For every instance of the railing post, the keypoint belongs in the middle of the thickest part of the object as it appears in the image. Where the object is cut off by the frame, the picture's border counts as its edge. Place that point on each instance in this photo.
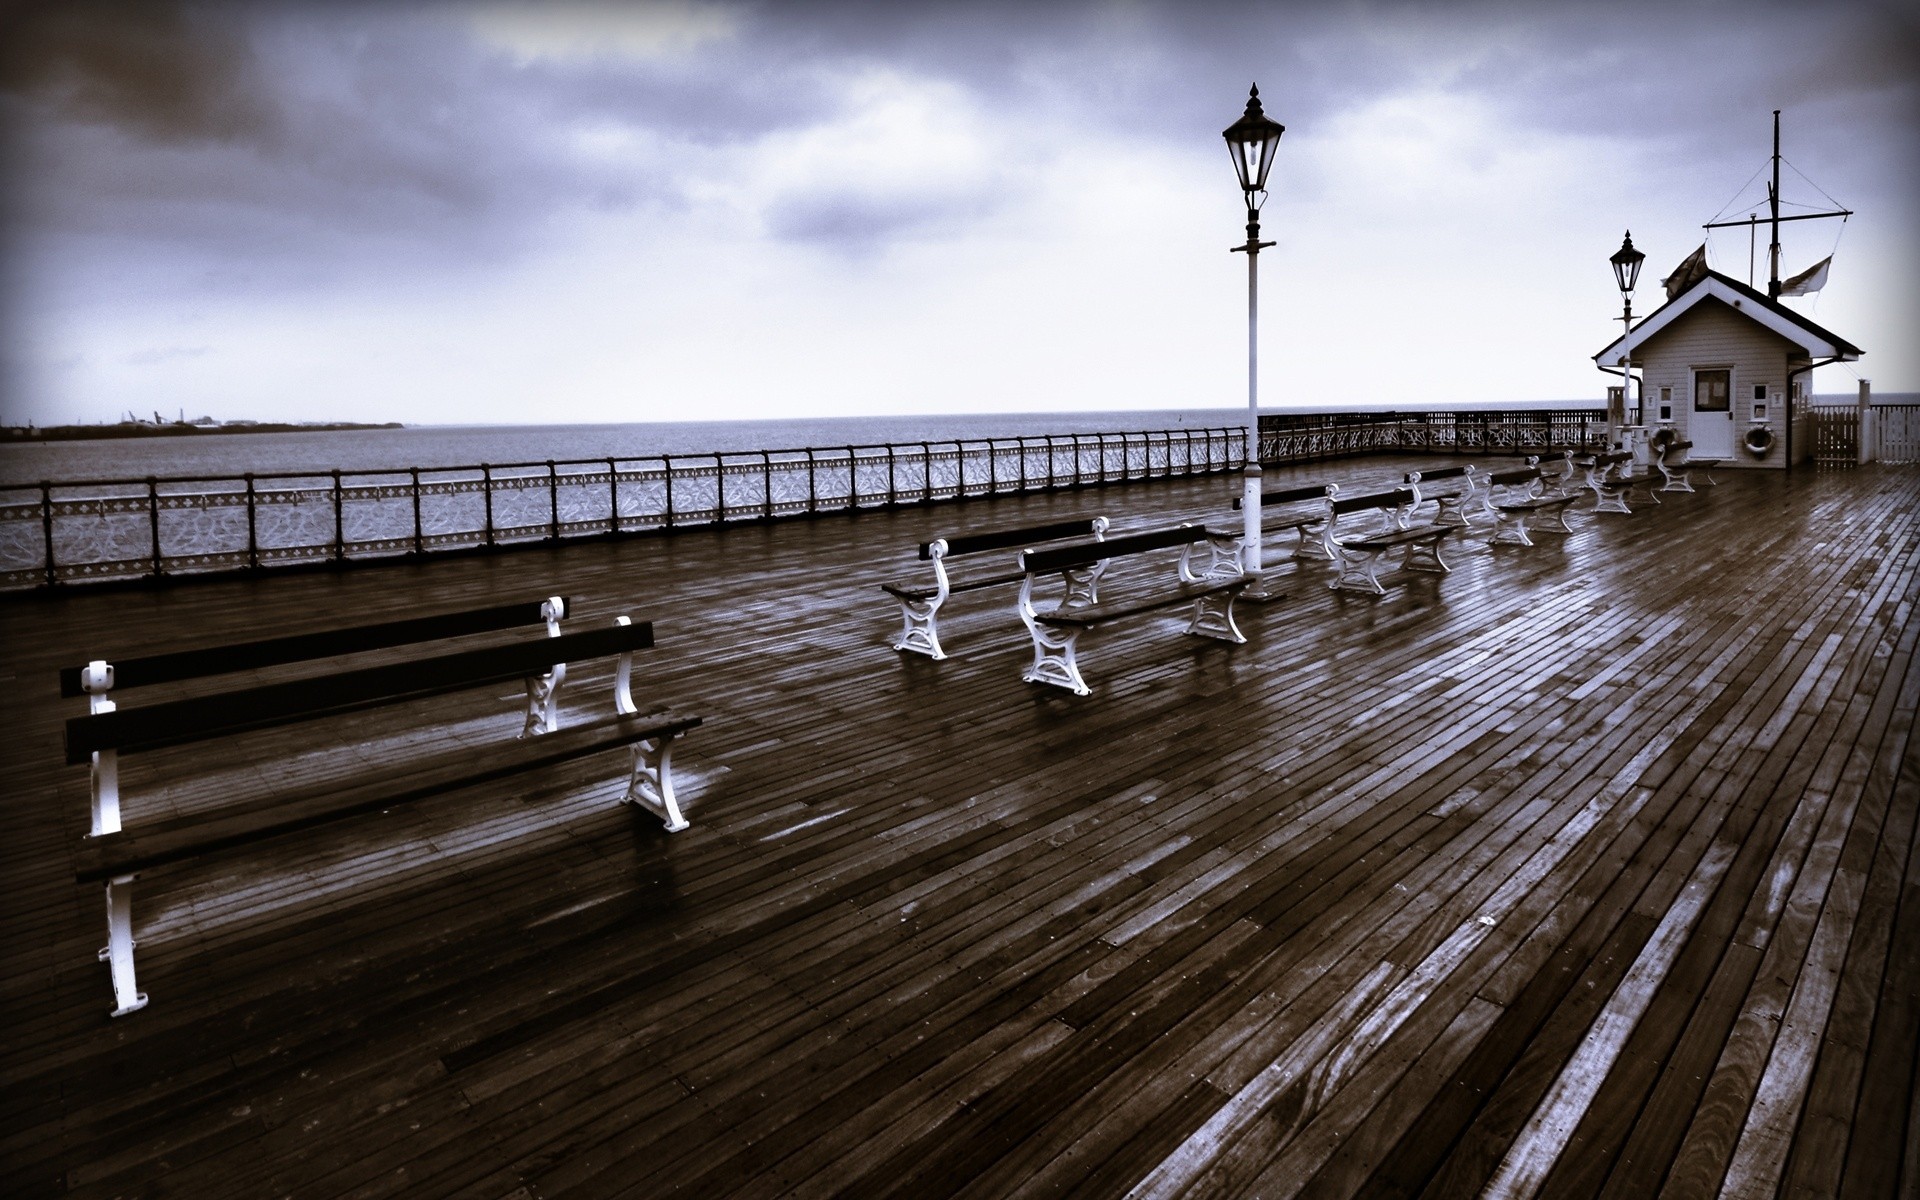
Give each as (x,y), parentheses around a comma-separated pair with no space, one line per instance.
(666,469)
(813,485)
(926,466)
(613,497)
(253,534)
(153,524)
(893,458)
(486,490)
(853,480)
(720,489)
(553,503)
(766,486)
(339,521)
(419,543)
(46,527)
(960,469)
(1021,442)
(993,471)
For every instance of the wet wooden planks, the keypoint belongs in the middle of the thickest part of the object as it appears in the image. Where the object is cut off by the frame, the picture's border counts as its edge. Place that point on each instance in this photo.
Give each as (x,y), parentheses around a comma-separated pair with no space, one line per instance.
(1585,870)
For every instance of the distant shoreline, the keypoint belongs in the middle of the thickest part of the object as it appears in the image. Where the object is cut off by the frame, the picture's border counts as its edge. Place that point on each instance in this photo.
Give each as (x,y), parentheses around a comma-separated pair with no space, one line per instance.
(90,433)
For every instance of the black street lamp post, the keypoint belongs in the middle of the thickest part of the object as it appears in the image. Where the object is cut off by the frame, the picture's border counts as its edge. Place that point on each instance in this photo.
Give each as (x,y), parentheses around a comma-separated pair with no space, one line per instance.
(1626,272)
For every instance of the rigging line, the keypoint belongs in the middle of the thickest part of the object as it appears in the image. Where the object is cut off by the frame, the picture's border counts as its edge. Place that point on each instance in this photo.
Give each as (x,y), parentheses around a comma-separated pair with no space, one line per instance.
(1741,191)
(1810,183)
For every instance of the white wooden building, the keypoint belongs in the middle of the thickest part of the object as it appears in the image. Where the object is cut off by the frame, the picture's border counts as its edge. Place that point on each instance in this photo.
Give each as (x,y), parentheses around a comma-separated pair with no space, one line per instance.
(1729,370)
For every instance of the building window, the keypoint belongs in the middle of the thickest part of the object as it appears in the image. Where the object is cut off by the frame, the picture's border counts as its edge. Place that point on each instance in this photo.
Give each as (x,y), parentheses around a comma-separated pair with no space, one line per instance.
(1759,391)
(1710,391)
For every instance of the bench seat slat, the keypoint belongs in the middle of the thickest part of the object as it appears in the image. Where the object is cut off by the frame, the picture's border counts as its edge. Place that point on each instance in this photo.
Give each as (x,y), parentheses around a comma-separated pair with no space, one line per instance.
(1397,537)
(924,591)
(303,647)
(1095,614)
(199,718)
(1042,562)
(1001,539)
(131,850)
(1317,491)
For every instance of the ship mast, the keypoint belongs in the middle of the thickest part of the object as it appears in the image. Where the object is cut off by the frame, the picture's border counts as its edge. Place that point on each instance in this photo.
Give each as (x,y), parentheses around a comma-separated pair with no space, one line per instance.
(1773,208)
(1774,218)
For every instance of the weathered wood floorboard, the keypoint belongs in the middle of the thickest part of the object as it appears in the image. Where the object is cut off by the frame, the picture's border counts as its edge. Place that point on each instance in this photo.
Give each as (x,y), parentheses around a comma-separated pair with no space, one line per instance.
(1588,869)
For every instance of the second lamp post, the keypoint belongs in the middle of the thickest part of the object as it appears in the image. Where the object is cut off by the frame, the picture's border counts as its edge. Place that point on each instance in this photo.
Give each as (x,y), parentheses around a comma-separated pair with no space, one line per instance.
(1626,273)
(1252,140)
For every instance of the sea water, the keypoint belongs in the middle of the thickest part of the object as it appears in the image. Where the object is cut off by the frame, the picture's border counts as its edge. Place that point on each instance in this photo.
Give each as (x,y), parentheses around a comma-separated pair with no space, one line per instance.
(228,455)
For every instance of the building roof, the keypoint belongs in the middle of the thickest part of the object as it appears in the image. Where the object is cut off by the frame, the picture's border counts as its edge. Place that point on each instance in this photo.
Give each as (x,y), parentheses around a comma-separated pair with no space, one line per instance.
(1773,315)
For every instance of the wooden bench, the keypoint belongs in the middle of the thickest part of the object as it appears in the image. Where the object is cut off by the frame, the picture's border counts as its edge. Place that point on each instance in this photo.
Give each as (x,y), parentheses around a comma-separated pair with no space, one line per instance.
(1454,491)
(1305,513)
(116,856)
(1608,478)
(1209,590)
(101,679)
(1360,552)
(1521,497)
(920,602)
(1558,473)
(1676,463)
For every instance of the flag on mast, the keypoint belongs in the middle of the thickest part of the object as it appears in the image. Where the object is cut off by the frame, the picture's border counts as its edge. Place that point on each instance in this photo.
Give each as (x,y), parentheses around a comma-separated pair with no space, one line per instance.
(1691,271)
(1809,281)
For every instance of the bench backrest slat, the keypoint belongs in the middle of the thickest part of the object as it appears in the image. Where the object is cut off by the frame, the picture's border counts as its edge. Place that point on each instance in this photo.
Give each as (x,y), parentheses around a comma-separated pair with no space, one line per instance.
(1517,475)
(1312,491)
(1000,539)
(198,718)
(1442,473)
(1393,499)
(304,647)
(1040,562)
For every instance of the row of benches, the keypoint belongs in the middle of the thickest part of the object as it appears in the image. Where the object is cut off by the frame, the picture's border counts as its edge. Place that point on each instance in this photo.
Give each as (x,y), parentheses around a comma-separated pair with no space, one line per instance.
(421,662)
(1355,532)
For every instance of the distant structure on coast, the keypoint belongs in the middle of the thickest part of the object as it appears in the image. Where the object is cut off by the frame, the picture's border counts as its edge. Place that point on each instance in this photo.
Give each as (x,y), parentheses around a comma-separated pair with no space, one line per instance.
(1726,367)
(133,427)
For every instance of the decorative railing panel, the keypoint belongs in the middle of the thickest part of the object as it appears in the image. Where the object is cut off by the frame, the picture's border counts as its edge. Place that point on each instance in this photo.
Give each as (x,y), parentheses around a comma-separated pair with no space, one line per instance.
(128,528)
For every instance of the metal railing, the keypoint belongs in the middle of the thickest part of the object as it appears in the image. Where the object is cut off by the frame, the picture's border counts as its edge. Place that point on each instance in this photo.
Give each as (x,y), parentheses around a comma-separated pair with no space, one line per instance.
(53,533)
(156,526)
(1303,437)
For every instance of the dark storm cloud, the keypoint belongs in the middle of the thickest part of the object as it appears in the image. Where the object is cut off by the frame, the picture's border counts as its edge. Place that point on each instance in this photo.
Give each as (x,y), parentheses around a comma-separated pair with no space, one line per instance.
(333,132)
(159,71)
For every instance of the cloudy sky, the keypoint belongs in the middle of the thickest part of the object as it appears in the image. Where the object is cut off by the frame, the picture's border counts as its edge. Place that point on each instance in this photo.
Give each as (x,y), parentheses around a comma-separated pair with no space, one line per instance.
(500,212)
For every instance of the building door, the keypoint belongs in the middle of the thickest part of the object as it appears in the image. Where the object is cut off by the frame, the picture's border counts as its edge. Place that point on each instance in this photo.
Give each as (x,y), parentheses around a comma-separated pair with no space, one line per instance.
(1710,425)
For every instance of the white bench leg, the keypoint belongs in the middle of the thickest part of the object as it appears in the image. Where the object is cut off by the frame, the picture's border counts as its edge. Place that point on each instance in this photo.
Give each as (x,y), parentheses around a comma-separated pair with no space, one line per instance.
(1083,586)
(1054,660)
(919,633)
(650,786)
(1510,529)
(1552,519)
(118,952)
(1313,542)
(1425,556)
(543,701)
(1612,502)
(1359,572)
(1213,617)
(106,792)
(1679,480)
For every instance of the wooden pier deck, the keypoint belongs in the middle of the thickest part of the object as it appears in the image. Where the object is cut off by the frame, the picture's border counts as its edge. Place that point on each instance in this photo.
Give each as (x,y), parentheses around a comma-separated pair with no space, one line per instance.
(1586,870)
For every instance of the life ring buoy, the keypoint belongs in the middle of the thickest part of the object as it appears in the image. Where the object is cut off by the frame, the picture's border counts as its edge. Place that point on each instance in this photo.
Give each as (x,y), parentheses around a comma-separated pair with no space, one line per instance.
(1758,441)
(1664,437)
